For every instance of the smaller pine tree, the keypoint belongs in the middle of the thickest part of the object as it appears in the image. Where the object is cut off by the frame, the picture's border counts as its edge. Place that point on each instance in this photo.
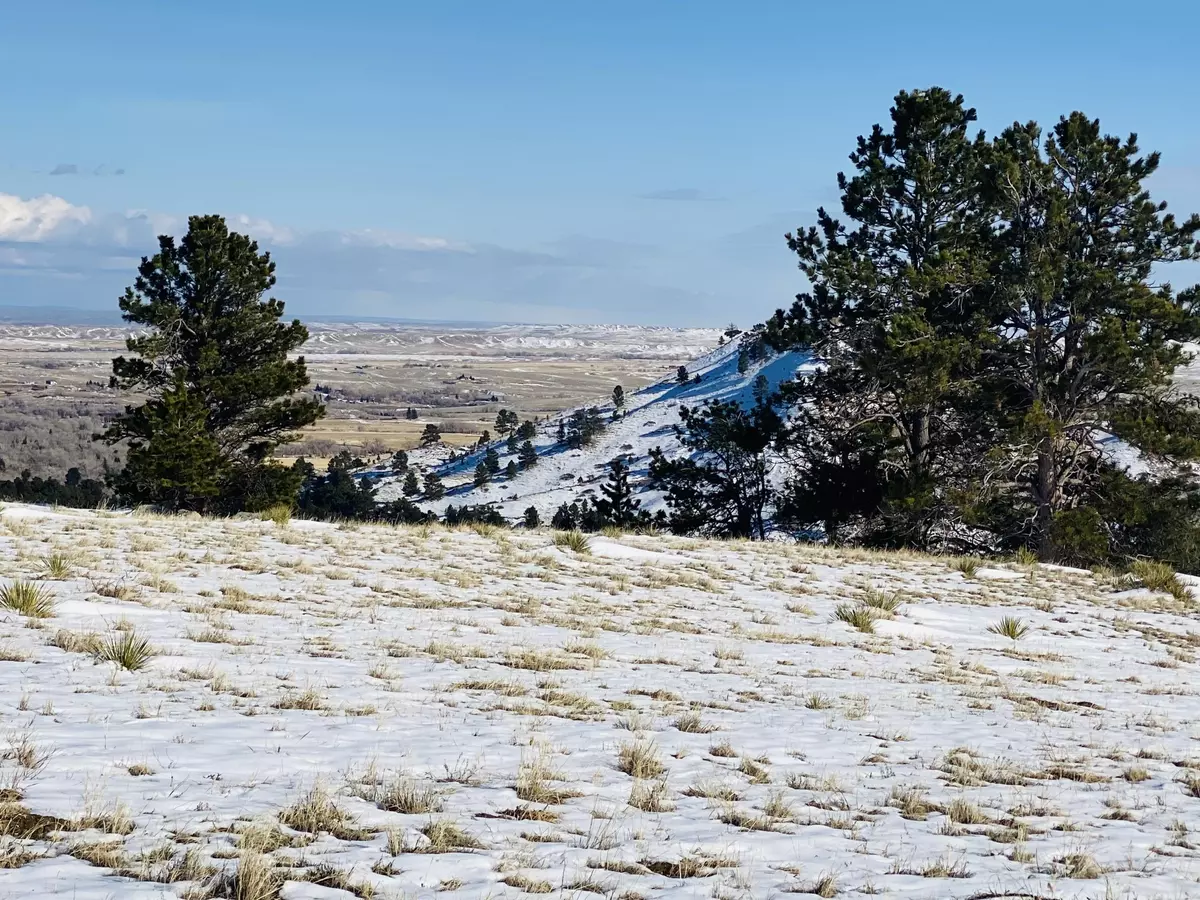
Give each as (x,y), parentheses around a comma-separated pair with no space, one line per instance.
(618,396)
(510,471)
(762,389)
(411,488)
(512,444)
(482,474)
(681,375)
(491,460)
(434,489)
(431,435)
(527,455)
(527,431)
(532,519)
(399,462)
(618,506)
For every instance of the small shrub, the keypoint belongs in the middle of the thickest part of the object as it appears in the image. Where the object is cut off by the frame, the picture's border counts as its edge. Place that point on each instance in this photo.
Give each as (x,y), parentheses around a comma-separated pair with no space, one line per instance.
(1010,627)
(967,565)
(57,567)
(1026,557)
(575,541)
(127,649)
(280,514)
(28,598)
(1161,578)
(859,616)
(886,604)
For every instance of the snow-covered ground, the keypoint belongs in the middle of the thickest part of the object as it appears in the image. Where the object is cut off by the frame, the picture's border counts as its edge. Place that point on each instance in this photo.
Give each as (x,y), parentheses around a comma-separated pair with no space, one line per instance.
(562,475)
(411,711)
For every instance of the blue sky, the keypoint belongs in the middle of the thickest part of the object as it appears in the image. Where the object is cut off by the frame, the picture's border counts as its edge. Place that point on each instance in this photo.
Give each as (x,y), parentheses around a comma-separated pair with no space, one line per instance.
(528,161)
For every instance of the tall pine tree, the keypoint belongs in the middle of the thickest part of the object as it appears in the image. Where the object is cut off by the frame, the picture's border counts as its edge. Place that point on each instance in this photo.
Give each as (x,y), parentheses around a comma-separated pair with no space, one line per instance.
(1085,343)
(213,352)
(893,311)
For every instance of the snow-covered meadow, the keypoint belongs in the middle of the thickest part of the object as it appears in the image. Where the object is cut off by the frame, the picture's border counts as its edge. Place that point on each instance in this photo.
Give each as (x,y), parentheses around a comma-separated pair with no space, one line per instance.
(333,711)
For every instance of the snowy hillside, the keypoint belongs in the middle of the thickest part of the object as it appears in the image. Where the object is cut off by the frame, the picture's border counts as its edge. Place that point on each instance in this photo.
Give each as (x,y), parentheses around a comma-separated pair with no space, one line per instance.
(323,712)
(563,475)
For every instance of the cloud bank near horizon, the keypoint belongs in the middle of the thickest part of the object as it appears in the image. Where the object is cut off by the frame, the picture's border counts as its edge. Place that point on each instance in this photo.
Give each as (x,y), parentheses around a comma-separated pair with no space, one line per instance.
(56,253)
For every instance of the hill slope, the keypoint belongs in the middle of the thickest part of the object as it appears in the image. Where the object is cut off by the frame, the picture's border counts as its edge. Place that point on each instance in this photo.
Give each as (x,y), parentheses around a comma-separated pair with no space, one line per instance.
(563,475)
(414,710)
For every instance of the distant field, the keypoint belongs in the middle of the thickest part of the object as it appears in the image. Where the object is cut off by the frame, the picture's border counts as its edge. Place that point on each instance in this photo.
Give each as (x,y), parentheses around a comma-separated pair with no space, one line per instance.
(54,390)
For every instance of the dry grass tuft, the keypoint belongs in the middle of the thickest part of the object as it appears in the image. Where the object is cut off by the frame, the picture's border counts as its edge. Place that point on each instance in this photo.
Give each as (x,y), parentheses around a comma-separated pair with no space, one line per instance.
(640,759)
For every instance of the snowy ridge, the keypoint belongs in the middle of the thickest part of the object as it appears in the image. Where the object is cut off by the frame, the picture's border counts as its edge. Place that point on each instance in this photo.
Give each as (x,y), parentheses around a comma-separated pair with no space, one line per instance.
(563,475)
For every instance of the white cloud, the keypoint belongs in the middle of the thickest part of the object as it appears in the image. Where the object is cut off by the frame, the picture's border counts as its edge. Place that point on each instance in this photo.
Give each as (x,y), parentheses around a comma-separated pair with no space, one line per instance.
(40,218)
(53,252)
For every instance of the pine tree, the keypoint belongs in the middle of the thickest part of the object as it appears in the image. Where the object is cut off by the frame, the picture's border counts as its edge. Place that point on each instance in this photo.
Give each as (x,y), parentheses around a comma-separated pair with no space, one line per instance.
(510,471)
(618,397)
(431,435)
(434,489)
(482,474)
(618,506)
(511,444)
(527,455)
(338,494)
(399,462)
(411,488)
(491,461)
(564,519)
(895,313)
(531,519)
(506,422)
(562,431)
(681,375)
(527,431)
(721,487)
(761,389)
(173,459)
(210,341)
(1083,341)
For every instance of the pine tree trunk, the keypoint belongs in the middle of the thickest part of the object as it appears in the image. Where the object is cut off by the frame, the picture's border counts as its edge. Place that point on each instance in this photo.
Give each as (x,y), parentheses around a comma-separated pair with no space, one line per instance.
(1044,492)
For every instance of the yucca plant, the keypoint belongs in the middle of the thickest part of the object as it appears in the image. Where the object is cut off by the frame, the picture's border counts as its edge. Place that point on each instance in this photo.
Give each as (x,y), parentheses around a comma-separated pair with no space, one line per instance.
(856,614)
(1010,627)
(575,541)
(968,565)
(1026,557)
(885,603)
(57,567)
(28,598)
(127,649)
(1156,576)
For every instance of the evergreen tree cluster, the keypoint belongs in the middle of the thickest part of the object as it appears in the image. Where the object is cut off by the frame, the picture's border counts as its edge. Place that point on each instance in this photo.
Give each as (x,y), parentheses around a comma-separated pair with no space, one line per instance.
(73,490)
(581,428)
(983,314)
(616,507)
